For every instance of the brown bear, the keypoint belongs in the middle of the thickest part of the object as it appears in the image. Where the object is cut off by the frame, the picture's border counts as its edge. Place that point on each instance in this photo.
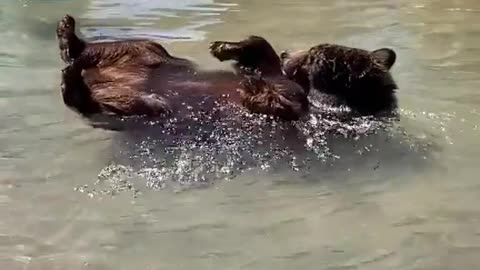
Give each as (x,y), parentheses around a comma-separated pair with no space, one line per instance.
(358,78)
(139,77)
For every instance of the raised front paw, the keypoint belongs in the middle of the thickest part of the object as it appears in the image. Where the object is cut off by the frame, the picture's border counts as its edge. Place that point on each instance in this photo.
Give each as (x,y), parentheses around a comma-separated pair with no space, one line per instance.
(223,50)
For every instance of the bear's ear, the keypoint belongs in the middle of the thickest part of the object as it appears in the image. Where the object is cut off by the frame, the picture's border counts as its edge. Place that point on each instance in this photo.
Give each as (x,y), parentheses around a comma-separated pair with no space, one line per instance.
(385,56)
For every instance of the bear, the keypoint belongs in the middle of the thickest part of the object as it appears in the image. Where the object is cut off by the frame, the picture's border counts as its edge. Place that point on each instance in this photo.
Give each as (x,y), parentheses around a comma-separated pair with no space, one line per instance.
(140,78)
(358,78)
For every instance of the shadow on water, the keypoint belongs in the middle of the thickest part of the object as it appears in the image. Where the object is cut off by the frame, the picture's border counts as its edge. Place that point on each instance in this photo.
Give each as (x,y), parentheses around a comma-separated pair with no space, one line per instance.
(198,150)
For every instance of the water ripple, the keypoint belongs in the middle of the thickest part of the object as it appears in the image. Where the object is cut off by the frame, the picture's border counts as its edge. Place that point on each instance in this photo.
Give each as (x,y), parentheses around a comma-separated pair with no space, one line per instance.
(145,14)
(199,151)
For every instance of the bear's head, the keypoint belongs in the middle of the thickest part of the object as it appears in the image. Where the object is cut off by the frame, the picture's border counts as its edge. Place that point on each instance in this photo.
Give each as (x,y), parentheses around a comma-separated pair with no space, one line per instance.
(357,77)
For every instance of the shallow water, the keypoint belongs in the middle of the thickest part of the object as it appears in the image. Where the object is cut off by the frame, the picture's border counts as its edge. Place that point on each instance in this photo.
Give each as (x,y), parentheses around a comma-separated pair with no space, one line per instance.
(404,197)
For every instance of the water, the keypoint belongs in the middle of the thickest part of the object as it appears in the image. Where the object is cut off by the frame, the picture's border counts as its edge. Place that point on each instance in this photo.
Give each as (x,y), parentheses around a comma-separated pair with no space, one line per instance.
(404,197)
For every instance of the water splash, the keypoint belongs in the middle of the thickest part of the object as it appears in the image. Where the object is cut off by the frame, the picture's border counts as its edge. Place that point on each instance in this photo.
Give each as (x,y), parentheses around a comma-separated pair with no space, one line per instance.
(202,148)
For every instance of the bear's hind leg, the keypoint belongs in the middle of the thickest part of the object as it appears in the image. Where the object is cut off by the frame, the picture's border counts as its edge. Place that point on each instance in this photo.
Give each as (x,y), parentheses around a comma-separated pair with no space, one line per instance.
(70,45)
(75,92)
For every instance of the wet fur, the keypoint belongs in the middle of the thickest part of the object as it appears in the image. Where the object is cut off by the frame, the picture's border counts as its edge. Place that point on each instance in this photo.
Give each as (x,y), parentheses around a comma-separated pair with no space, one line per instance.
(253,54)
(359,78)
(265,89)
(139,77)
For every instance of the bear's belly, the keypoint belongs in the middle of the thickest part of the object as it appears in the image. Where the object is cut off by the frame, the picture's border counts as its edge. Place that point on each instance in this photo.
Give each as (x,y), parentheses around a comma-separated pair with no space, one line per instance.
(197,89)
(130,90)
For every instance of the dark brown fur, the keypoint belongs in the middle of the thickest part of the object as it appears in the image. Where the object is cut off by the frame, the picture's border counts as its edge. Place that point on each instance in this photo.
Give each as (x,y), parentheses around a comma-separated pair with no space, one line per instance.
(265,86)
(359,78)
(139,77)
(251,54)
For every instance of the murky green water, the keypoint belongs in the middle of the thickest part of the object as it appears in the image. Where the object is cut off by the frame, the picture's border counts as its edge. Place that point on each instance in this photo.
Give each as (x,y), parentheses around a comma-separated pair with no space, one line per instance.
(409,202)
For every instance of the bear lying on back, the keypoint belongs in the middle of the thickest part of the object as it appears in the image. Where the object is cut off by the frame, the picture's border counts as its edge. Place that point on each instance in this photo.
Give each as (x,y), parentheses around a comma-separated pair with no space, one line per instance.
(139,77)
